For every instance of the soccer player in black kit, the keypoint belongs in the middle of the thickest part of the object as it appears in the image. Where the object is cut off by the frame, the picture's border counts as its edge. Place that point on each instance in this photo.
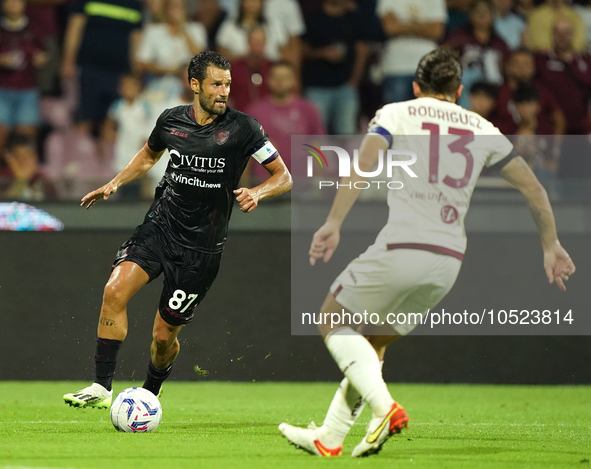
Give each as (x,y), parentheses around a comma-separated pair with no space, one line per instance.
(184,231)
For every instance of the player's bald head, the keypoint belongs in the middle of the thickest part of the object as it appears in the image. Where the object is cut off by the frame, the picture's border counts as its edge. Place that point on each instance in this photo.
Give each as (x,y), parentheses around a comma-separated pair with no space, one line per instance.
(199,64)
(439,72)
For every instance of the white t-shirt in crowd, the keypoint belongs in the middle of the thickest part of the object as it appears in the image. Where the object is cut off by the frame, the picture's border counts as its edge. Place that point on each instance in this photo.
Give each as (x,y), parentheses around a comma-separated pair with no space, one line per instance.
(235,38)
(285,12)
(402,53)
(159,46)
(134,124)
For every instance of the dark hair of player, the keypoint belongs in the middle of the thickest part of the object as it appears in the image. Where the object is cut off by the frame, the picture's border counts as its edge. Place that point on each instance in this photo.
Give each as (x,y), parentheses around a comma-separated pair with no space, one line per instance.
(525,93)
(199,63)
(481,87)
(439,72)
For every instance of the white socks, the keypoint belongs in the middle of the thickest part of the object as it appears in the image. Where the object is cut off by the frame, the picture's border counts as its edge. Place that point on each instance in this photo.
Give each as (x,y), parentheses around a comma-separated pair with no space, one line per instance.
(359,363)
(344,409)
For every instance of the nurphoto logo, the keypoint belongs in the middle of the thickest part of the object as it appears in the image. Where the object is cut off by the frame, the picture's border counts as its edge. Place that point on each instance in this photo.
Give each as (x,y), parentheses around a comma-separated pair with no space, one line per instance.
(386,159)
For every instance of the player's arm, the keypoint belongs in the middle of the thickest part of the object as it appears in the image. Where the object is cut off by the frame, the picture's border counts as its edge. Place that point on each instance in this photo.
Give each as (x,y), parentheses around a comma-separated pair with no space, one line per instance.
(557,262)
(139,164)
(428,29)
(72,41)
(278,183)
(326,239)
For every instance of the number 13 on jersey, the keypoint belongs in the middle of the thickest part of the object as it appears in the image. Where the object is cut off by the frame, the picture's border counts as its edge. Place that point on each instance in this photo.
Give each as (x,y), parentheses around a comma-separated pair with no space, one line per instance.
(458,146)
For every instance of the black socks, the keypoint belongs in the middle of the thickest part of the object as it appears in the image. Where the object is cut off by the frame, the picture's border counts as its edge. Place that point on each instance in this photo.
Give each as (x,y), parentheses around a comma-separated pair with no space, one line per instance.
(155,378)
(105,360)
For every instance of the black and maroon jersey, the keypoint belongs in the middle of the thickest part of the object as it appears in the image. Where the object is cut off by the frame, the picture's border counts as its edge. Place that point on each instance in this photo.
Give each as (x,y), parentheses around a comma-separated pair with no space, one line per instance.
(194,200)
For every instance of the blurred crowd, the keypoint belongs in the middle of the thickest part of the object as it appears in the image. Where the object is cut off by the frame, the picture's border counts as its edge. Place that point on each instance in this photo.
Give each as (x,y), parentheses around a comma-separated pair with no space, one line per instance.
(82,82)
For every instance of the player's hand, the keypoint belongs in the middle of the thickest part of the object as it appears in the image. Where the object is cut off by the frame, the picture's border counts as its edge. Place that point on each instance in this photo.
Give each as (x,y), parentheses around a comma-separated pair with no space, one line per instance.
(324,243)
(558,265)
(247,199)
(101,193)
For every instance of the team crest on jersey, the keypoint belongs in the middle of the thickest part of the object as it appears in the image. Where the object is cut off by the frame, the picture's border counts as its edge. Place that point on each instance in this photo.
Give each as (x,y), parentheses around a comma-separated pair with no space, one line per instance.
(221,136)
(449,214)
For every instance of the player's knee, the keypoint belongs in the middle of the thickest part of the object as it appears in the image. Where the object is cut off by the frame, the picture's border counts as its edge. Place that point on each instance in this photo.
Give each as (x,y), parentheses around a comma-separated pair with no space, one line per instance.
(113,297)
(164,341)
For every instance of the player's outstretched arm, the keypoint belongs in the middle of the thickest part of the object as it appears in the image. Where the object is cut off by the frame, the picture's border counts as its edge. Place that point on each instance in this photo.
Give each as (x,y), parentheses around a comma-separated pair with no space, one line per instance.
(139,164)
(557,262)
(326,239)
(279,182)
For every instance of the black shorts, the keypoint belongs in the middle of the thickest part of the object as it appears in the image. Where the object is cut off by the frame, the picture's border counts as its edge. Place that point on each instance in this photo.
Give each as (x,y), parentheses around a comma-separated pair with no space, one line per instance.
(188,274)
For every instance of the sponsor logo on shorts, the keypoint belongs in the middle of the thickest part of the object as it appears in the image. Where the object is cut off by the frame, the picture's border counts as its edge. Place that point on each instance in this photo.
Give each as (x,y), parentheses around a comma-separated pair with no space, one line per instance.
(194,181)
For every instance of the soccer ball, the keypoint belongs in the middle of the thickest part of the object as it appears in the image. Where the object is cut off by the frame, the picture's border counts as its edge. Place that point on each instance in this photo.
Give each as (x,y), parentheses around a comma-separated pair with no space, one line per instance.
(136,410)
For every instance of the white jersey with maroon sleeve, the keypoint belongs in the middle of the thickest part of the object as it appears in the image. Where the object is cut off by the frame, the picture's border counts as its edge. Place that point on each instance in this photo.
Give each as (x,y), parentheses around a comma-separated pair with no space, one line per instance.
(452,146)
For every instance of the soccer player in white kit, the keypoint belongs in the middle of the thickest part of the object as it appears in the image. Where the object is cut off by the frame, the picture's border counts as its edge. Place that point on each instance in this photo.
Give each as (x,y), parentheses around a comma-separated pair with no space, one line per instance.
(417,256)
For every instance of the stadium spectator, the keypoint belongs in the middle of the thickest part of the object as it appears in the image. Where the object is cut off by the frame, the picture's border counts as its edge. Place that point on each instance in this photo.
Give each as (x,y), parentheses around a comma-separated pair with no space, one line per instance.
(166,48)
(154,11)
(541,151)
(541,23)
(521,69)
(44,19)
(483,98)
(457,15)
(288,16)
(284,114)
(482,50)
(211,15)
(232,37)
(100,39)
(509,25)
(413,29)
(567,73)
(250,73)
(524,8)
(127,125)
(335,54)
(584,11)
(28,181)
(21,54)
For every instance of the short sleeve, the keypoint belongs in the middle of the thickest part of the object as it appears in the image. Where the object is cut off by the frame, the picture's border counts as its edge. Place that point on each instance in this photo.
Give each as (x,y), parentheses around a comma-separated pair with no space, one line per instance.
(257,142)
(500,148)
(155,141)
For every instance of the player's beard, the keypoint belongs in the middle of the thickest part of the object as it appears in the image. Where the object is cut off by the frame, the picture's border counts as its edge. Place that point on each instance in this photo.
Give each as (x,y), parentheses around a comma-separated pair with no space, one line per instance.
(208,105)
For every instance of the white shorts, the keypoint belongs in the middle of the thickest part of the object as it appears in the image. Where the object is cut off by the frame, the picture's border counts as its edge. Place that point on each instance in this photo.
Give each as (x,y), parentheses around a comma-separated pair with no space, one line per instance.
(407,281)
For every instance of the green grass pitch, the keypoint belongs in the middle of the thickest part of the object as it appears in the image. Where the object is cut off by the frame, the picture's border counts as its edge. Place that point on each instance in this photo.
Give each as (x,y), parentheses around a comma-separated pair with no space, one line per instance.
(234,425)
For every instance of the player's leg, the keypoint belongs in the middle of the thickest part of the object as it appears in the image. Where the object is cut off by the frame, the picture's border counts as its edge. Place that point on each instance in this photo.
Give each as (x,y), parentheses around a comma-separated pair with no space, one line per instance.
(163,352)
(188,277)
(125,281)
(347,403)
